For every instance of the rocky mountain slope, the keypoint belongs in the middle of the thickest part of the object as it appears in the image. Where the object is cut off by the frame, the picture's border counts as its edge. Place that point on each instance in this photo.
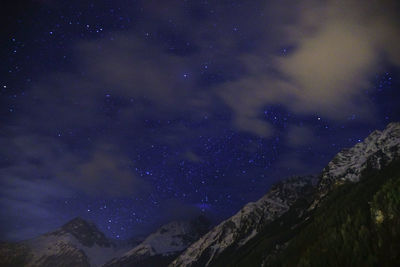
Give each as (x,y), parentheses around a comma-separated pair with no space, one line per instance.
(77,243)
(247,223)
(268,225)
(356,224)
(376,151)
(162,246)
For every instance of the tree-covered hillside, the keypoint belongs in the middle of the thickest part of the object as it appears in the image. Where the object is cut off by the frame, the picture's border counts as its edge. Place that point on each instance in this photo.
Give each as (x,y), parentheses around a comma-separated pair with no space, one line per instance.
(357,224)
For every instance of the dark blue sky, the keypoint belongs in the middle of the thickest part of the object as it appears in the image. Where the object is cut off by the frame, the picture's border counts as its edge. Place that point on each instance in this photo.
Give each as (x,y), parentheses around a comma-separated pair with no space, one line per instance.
(135,113)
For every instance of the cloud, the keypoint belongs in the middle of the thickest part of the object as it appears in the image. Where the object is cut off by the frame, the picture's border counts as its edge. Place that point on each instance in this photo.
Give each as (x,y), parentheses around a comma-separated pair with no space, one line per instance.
(173,209)
(329,69)
(123,79)
(299,136)
(192,156)
(42,171)
(28,198)
(333,62)
(294,163)
(133,67)
(334,48)
(106,173)
(103,170)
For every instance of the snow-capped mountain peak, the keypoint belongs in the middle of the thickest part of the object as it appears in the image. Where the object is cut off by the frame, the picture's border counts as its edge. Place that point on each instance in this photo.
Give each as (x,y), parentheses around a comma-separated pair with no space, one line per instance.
(76,243)
(378,149)
(168,240)
(85,232)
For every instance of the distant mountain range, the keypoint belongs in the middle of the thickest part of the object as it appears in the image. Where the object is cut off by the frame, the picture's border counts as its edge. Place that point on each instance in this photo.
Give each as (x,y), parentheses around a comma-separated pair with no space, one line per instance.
(79,243)
(161,247)
(348,215)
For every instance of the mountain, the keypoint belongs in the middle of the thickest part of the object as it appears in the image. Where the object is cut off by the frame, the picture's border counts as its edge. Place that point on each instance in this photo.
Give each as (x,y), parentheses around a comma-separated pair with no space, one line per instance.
(162,246)
(347,216)
(376,151)
(77,243)
(245,224)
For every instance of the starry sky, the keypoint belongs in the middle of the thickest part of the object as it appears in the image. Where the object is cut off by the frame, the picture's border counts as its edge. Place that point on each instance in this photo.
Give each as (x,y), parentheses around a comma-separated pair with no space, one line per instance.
(133,113)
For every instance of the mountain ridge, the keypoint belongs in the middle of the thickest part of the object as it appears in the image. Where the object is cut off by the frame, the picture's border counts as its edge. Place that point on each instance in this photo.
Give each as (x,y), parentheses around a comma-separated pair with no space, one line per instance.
(80,243)
(162,246)
(376,151)
(244,225)
(260,232)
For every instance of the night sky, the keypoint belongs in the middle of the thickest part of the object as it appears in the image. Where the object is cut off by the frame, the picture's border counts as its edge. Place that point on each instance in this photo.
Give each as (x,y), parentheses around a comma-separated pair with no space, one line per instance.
(135,113)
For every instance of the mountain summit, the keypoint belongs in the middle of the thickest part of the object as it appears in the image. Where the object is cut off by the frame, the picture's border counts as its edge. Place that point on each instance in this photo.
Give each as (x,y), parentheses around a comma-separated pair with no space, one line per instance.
(85,232)
(165,244)
(376,151)
(77,243)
